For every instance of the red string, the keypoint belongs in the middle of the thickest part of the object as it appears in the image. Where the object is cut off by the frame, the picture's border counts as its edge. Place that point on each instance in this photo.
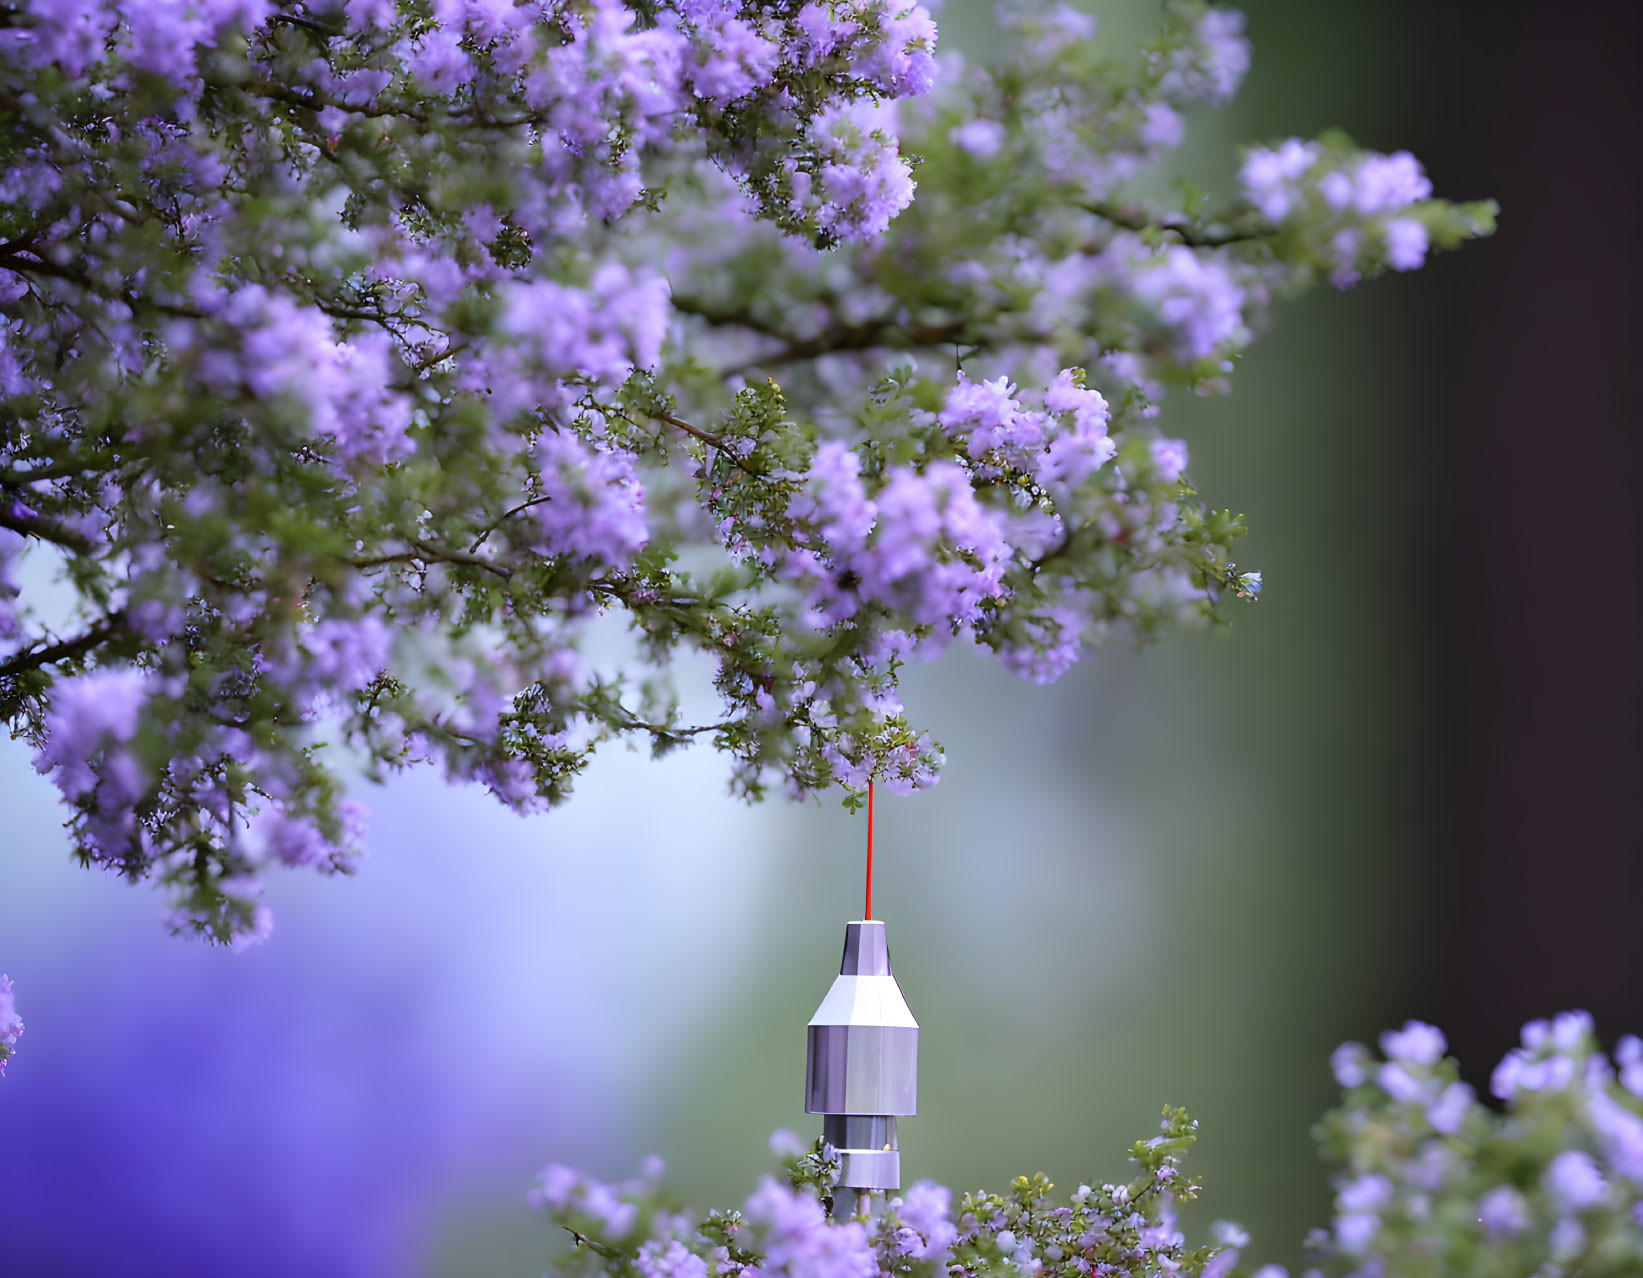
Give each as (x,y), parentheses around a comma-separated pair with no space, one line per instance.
(868,913)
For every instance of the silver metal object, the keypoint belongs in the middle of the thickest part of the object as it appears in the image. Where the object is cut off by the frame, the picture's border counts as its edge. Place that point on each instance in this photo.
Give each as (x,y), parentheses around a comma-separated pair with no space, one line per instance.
(861,1067)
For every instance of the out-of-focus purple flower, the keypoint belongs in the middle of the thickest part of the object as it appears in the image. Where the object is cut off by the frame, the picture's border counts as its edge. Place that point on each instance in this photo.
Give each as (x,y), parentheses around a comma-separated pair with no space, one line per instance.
(1417,1043)
(1169,457)
(669,1260)
(925,1213)
(1628,1055)
(793,1232)
(595,504)
(1212,63)
(1406,242)
(1445,1114)
(1575,1181)
(1349,1063)
(1503,1212)
(11,1024)
(981,137)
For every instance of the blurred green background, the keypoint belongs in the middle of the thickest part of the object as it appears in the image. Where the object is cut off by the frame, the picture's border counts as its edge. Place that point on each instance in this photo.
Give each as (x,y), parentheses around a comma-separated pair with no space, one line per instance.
(1404,784)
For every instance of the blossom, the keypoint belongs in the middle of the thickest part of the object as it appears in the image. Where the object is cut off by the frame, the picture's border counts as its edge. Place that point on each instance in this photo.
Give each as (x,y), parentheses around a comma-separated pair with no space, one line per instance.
(861,180)
(1212,63)
(1271,177)
(1503,1211)
(91,714)
(591,501)
(1574,1180)
(798,1240)
(11,1024)
(925,1212)
(1415,1044)
(501,317)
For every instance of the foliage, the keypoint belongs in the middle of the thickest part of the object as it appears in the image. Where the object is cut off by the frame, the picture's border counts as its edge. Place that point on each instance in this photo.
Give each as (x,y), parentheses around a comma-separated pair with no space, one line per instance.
(423,382)
(1428,1181)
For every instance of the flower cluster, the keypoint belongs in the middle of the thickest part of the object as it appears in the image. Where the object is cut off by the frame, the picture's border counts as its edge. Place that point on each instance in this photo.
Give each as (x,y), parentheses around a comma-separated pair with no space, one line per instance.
(807,1228)
(11,1024)
(1352,213)
(1428,1180)
(360,354)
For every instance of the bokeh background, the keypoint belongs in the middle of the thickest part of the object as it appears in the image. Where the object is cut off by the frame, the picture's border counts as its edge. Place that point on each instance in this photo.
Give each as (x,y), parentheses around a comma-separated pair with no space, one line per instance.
(1407,784)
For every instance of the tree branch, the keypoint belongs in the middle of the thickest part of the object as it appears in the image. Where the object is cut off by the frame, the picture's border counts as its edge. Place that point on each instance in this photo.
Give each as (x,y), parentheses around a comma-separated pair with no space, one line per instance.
(1136,219)
(45,530)
(502,519)
(885,332)
(63,650)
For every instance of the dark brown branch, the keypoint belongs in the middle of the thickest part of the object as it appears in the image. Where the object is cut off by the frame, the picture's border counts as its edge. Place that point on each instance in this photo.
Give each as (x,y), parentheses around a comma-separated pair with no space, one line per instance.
(44,530)
(502,519)
(426,550)
(1136,219)
(883,333)
(63,650)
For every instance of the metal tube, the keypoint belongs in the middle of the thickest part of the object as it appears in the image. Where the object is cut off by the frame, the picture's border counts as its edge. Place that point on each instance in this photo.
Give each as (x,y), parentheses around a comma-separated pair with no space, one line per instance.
(861,1067)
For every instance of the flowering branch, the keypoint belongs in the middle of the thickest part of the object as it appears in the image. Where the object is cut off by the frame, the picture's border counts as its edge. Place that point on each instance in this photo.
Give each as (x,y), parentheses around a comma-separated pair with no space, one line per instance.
(279,341)
(1427,1180)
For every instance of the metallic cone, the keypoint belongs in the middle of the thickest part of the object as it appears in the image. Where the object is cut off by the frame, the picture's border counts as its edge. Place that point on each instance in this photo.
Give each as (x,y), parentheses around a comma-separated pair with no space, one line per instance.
(861,1069)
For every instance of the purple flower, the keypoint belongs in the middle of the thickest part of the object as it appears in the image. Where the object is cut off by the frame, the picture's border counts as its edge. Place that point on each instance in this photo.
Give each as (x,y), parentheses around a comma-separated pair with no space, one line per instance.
(1042,648)
(90,714)
(1271,178)
(903,62)
(1191,294)
(1349,1064)
(1503,1211)
(11,1024)
(1417,1043)
(732,59)
(981,137)
(1367,1193)
(1574,1181)
(1628,1054)
(861,181)
(1406,243)
(595,504)
(1169,458)
(1385,182)
(1445,1114)
(796,1238)
(925,1213)
(669,1260)
(1400,1084)
(1212,63)
(987,416)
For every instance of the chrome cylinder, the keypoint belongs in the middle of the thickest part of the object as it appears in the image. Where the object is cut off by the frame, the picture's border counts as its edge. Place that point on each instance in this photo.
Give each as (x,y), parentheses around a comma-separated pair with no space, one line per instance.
(861,1067)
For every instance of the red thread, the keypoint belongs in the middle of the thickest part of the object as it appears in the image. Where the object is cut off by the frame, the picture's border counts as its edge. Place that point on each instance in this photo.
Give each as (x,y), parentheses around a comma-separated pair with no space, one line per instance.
(868,913)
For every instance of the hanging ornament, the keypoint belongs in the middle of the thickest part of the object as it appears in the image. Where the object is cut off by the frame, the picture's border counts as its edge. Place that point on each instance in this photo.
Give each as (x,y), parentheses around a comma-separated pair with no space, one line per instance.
(861,1064)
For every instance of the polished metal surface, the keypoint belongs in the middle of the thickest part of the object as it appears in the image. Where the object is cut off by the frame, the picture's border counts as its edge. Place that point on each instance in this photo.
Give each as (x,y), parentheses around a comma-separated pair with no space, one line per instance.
(859,1131)
(862,1055)
(861,1065)
(866,1145)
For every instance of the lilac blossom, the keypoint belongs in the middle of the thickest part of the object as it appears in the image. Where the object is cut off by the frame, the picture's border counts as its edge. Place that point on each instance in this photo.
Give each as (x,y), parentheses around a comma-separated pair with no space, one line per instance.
(1574,1180)
(1213,63)
(11,1024)
(1416,1044)
(501,317)
(861,180)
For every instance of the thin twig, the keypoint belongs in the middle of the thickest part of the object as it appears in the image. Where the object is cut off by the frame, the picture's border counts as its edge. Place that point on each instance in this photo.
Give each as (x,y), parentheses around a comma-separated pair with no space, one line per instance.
(503,518)
(1134,219)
